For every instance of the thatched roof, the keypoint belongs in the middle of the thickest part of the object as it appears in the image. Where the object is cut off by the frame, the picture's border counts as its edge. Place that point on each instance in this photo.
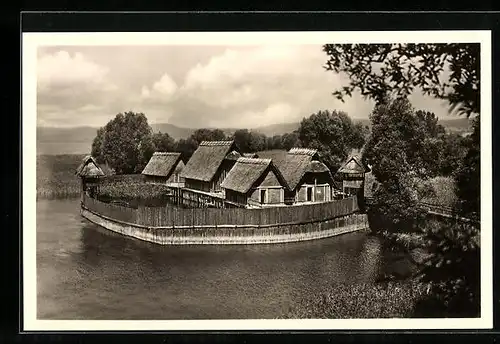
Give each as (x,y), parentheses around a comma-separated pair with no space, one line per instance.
(250,155)
(233,155)
(316,166)
(276,155)
(304,151)
(162,164)
(247,171)
(353,165)
(207,159)
(89,168)
(295,163)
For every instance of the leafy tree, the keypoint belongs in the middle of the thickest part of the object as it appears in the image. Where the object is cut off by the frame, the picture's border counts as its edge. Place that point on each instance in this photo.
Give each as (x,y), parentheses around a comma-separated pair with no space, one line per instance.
(96,146)
(468,176)
(449,72)
(146,149)
(290,140)
(208,135)
(275,142)
(377,70)
(445,71)
(400,172)
(452,153)
(242,138)
(121,142)
(186,147)
(359,136)
(332,133)
(163,142)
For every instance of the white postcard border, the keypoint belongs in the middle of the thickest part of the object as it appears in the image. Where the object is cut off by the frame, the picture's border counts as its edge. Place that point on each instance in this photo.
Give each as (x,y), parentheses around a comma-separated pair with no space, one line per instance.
(30,43)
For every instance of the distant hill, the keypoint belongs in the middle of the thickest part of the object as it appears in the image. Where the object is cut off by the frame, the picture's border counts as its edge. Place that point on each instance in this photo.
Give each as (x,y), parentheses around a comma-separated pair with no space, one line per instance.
(78,140)
(173,130)
(277,129)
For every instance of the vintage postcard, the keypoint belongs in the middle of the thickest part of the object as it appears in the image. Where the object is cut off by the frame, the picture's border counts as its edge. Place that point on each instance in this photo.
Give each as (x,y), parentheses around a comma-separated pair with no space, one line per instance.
(257,180)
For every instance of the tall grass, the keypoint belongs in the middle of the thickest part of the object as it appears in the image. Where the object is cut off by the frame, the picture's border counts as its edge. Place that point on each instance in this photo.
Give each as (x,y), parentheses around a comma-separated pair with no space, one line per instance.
(55,176)
(361,301)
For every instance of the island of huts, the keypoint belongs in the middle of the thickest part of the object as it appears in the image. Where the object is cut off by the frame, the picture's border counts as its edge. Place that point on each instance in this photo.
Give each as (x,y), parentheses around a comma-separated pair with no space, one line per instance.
(224,196)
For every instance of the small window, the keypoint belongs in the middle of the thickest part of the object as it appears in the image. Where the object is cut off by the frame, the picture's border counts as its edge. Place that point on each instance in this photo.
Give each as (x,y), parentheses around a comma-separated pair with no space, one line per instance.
(309,194)
(262,196)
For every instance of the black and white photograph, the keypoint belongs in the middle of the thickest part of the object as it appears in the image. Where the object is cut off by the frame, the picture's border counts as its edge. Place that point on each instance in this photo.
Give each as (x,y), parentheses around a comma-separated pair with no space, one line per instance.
(244,180)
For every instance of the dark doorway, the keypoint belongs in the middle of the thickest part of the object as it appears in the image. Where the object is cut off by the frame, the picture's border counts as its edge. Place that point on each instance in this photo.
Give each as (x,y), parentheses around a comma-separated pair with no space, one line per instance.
(262,196)
(309,194)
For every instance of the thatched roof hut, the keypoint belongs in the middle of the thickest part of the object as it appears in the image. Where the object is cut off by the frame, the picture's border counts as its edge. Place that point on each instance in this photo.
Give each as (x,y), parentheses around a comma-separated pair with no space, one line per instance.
(353,166)
(207,159)
(247,172)
(295,163)
(89,168)
(163,164)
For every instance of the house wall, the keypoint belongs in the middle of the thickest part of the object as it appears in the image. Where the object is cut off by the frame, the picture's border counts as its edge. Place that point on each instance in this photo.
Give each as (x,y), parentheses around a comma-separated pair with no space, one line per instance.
(270,180)
(221,175)
(197,185)
(274,191)
(236,197)
(155,179)
(175,178)
(354,187)
(316,178)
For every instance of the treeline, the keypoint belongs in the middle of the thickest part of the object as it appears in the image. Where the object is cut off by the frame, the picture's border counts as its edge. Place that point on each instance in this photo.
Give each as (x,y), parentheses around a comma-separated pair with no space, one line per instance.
(127,142)
(247,140)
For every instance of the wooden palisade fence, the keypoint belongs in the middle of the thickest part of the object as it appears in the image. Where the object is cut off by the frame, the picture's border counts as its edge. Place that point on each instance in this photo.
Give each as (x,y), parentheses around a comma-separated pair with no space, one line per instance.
(173,217)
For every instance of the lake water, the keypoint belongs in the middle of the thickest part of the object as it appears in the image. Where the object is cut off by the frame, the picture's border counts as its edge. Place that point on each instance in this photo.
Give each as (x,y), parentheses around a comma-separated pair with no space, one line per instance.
(87,272)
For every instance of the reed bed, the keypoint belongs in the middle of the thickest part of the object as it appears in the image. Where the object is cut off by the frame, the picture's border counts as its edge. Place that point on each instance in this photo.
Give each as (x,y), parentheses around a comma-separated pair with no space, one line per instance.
(55,176)
(398,299)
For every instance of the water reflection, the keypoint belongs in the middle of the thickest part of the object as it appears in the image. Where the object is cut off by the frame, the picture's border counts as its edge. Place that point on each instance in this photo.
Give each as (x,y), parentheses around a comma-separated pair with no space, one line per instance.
(109,276)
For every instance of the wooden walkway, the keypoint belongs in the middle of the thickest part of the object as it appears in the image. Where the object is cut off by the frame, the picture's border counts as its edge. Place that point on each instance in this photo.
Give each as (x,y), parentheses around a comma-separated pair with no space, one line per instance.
(435,210)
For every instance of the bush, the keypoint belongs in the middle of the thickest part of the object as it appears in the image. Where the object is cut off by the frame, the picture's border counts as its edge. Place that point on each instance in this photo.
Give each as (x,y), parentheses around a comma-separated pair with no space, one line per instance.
(126,190)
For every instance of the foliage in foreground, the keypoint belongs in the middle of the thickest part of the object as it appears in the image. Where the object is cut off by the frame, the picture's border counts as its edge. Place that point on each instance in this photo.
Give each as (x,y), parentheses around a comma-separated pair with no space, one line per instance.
(451,267)
(383,300)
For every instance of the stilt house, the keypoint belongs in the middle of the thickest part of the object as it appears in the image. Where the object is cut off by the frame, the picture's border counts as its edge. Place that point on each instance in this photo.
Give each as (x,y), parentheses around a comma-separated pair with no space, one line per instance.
(209,165)
(308,179)
(90,174)
(254,182)
(352,173)
(164,168)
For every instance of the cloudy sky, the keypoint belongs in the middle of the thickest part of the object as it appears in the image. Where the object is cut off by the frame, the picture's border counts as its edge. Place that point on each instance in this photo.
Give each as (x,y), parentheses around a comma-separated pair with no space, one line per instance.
(192,86)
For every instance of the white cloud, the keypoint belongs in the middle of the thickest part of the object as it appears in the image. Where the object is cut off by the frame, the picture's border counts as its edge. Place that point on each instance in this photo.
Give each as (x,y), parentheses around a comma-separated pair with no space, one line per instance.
(165,86)
(62,69)
(244,86)
(73,89)
(275,113)
(255,85)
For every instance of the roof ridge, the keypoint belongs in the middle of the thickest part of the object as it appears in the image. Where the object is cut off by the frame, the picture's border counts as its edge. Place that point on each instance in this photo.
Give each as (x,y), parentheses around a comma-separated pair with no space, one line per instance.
(166,153)
(260,161)
(216,143)
(302,151)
